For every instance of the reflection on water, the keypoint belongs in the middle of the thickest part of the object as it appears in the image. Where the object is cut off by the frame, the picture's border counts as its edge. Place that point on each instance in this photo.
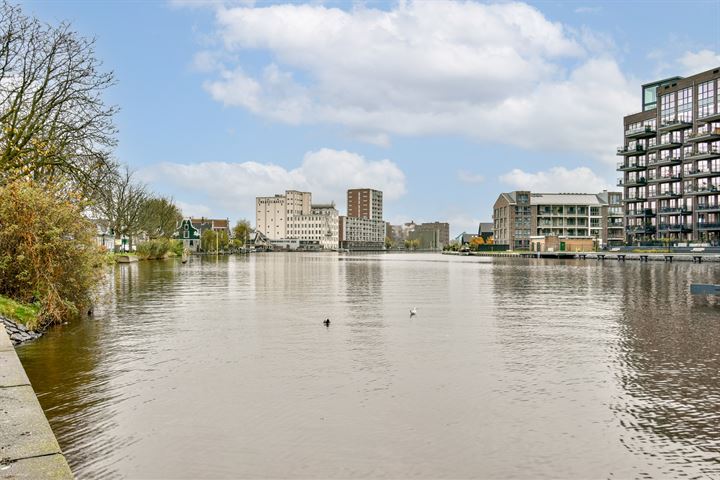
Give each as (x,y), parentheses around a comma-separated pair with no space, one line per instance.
(512,368)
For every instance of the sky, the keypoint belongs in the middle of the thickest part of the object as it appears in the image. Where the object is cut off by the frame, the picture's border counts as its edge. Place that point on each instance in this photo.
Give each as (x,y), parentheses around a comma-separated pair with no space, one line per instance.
(443,105)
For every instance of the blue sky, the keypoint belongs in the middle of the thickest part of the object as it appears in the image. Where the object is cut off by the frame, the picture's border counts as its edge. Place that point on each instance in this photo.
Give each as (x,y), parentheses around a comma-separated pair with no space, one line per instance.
(443,105)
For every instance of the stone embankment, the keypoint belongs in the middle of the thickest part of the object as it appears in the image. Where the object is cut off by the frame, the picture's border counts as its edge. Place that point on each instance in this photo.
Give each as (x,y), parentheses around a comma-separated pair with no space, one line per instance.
(28,448)
(18,332)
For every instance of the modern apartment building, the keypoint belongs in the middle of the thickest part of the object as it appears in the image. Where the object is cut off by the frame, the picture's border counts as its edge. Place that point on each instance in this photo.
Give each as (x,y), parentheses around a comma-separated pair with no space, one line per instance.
(363,228)
(520,215)
(292,216)
(671,161)
(365,203)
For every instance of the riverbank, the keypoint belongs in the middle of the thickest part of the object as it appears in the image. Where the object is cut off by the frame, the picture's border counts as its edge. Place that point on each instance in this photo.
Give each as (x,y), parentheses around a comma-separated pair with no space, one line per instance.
(695,257)
(28,448)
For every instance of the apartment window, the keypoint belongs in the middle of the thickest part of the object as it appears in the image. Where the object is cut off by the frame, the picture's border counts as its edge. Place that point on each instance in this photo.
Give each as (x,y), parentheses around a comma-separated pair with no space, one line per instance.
(667,108)
(685,105)
(706,99)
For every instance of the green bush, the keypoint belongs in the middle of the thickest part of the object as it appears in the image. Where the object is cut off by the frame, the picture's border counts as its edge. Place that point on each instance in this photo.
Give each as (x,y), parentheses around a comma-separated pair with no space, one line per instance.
(48,251)
(159,248)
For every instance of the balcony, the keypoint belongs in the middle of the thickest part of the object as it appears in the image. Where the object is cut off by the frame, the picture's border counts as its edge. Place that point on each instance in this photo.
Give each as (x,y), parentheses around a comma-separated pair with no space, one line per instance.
(675,227)
(673,125)
(646,131)
(708,226)
(625,151)
(640,229)
(702,207)
(634,199)
(708,136)
(665,178)
(715,117)
(713,152)
(659,162)
(638,182)
(644,212)
(664,146)
(702,173)
(630,167)
(674,211)
(701,190)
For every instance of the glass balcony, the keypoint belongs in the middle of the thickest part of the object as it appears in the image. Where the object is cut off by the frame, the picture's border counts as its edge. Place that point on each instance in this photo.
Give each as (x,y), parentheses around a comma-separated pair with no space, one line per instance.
(634,199)
(630,166)
(665,178)
(645,131)
(712,152)
(658,162)
(640,229)
(673,125)
(715,117)
(708,226)
(702,173)
(708,136)
(638,150)
(701,190)
(703,207)
(675,227)
(638,182)
(664,146)
(644,212)
(674,210)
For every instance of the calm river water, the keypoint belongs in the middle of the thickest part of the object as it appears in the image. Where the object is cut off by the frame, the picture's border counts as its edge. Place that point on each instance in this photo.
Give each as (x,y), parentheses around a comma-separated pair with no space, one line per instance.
(512,368)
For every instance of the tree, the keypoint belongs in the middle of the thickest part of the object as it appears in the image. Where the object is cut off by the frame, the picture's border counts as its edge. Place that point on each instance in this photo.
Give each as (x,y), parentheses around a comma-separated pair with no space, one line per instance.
(55,125)
(48,252)
(214,241)
(389,243)
(121,203)
(160,217)
(241,232)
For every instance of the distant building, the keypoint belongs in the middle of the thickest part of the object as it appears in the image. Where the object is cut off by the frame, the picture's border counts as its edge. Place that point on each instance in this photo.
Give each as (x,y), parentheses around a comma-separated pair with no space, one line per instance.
(485,230)
(291,221)
(431,236)
(363,228)
(189,235)
(519,215)
(214,224)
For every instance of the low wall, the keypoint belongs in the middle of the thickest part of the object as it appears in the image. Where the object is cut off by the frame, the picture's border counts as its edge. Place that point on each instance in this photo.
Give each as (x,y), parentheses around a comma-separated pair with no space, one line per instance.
(28,448)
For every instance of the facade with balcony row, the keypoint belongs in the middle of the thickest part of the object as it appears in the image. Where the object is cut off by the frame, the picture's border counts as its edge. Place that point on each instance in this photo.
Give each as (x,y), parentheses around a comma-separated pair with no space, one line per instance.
(670,164)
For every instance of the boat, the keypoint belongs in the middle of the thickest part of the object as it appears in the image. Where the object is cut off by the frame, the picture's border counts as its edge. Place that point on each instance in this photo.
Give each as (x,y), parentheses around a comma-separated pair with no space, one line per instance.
(126,259)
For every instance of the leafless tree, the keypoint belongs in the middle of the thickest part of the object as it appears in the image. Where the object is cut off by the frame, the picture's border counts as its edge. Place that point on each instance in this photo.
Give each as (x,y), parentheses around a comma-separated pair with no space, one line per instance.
(54,123)
(122,203)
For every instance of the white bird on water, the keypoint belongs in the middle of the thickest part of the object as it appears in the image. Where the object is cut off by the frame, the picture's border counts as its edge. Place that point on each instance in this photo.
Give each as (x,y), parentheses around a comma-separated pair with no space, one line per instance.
(413,311)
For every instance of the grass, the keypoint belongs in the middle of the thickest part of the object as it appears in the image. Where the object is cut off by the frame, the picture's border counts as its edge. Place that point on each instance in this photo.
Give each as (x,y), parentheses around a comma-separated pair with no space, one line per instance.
(20,312)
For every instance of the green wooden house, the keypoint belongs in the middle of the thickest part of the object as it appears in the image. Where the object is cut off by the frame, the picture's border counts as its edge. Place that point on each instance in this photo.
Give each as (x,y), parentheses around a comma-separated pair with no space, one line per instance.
(189,235)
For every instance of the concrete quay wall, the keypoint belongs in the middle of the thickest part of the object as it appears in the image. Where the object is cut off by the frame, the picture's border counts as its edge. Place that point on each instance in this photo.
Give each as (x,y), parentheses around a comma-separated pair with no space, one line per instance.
(28,448)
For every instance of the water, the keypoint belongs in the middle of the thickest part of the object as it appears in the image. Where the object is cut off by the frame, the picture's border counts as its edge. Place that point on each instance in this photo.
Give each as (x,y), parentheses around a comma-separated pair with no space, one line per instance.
(512,368)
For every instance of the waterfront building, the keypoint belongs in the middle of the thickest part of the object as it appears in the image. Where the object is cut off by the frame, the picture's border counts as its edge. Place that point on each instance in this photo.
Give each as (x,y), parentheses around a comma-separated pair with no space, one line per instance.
(189,235)
(214,224)
(485,230)
(363,228)
(431,236)
(291,221)
(670,164)
(519,215)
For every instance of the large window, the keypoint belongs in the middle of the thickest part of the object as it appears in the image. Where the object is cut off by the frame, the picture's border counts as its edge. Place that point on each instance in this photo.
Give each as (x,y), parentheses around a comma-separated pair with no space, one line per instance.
(649,98)
(667,108)
(706,99)
(685,105)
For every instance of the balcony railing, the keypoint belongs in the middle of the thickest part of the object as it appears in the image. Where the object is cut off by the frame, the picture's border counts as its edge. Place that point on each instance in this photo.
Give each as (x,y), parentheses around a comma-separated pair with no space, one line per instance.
(701,190)
(641,229)
(675,227)
(708,226)
(637,150)
(637,182)
(703,173)
(641,132)
(711,152)
(643,212)
(674,210)
(634,199)
(713,117)
(664,161)
(665,178)
(705,207)
(674,125)
(664,146)
(712,134)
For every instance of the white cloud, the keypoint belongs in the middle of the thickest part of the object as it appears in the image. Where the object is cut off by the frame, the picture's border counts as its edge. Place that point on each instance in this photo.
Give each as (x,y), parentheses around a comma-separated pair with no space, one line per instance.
(326,173)
(194,209)
(556,179)
(468,177)
(697,62)
(494,72)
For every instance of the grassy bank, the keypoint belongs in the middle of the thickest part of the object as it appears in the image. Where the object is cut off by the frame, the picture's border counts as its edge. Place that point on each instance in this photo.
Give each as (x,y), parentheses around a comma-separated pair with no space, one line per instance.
(20,312)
